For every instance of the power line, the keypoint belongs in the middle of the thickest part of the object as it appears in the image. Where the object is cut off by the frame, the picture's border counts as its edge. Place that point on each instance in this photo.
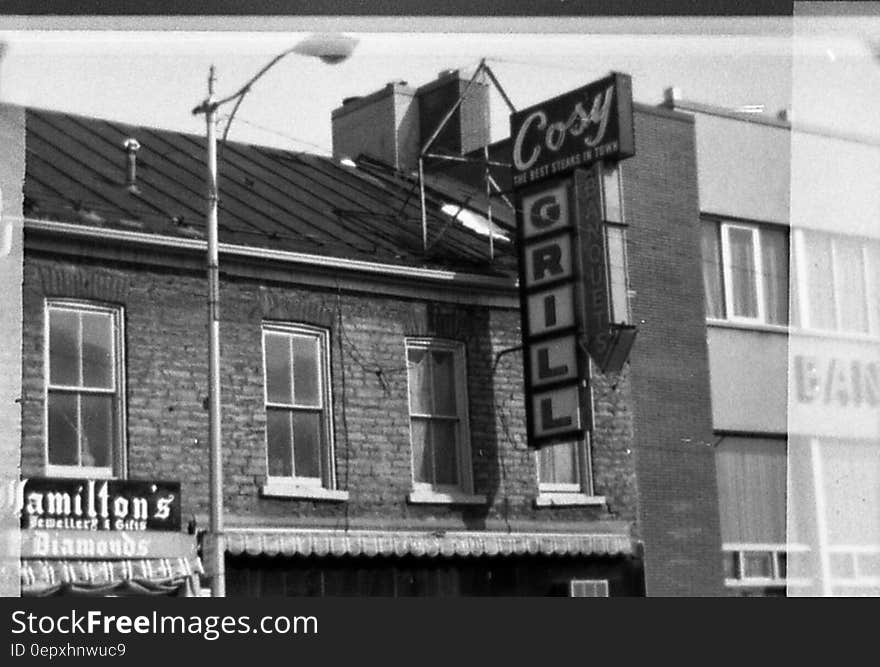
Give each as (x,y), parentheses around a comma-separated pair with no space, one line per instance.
(298,140)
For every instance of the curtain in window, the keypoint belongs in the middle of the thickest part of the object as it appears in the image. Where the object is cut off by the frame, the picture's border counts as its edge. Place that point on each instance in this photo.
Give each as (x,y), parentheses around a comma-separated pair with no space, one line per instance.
(434,416)
(850,474)
(849,271)
(774,262)
(558,463)
(752,489)
(742,272)
(820,281)
(873,287)
(712,280)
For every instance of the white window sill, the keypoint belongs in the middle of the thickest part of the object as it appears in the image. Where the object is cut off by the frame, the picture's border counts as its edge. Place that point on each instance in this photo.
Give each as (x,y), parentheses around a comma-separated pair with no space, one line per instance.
(568,500)
(426,497)
(80,472)
(750,325)
(289,489)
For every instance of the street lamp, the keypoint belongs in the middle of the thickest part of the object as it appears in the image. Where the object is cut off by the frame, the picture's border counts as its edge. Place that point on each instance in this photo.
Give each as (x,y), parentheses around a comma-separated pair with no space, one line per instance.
(331,49)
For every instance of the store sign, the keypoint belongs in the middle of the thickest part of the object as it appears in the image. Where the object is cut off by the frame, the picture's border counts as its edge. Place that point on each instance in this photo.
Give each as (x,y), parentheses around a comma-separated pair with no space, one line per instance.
(565,300)
(556,364)
(109,545)
(99,505)
(837,381)
(573,130)
(834,387)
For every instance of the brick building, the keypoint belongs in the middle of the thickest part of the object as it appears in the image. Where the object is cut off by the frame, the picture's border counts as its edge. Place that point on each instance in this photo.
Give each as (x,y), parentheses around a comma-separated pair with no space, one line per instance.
(792,277)
(373,418)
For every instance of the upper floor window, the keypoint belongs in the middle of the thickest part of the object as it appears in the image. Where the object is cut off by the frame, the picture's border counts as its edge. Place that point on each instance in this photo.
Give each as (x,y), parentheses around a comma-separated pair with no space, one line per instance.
(298,432)
(438,415)
(838,280)
(559,467)
(745,272)
(84,397)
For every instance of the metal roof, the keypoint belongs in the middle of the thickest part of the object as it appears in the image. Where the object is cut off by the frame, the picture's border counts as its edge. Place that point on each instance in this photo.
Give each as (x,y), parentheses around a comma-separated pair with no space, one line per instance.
(269,198)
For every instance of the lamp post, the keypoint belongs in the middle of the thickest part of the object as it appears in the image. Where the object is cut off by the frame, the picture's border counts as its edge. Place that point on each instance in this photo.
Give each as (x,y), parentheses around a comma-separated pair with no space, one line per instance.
(331,49)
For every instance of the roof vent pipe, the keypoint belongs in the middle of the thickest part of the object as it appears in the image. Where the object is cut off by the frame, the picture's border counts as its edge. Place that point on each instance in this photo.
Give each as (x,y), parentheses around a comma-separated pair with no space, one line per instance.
(131,146)
(671,96)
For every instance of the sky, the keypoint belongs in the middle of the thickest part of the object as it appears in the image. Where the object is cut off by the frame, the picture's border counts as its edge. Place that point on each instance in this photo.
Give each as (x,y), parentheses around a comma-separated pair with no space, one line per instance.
(154,71)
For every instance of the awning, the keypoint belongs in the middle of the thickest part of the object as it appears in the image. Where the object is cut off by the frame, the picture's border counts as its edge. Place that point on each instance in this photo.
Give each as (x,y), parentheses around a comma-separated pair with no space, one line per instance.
(295,542)
(151,576)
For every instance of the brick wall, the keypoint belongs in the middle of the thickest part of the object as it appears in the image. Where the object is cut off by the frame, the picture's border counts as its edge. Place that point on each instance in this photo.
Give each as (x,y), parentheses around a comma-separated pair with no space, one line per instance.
(653,421)
(167,424)
(678,504)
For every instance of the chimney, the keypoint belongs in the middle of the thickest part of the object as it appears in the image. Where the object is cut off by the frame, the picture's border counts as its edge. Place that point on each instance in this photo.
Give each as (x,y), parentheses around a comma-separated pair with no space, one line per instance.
(394,123)
(383,125)
(468,128)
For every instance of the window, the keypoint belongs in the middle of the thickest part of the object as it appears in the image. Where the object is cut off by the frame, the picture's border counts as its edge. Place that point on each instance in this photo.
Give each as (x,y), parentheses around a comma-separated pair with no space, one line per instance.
(564,475)
(559,467)
(752,500)
(615,236)
(438,416)
(839,280)
(745,272)
(84,424)
(298,434)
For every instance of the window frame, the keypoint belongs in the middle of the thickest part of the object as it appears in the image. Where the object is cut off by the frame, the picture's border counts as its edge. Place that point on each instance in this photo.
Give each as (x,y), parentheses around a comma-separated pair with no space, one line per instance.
(582,467)
(801,277)
(757,267)
(119,461)
(327,482)
(723,226)
(463,443)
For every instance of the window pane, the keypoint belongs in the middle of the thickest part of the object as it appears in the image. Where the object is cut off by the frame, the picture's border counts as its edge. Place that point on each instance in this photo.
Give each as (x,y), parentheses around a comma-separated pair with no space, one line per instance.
(98,430)
(278,369)
(307,444)
(306,388)
(774,256)
(617,274)
(849,271)
(611,192)
(63,347)
(63,447)
(444,383)
(795,297)
(742,272)
(757,564)
(421,451)
(419,387)
(712,271)
(445,452)
(820,281)
(558,463)
(279,443)
(97,350)
(873,289)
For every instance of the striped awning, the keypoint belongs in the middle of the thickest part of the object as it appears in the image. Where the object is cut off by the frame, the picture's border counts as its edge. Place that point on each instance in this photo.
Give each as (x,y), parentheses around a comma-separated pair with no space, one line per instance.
(146,576)
(257,542)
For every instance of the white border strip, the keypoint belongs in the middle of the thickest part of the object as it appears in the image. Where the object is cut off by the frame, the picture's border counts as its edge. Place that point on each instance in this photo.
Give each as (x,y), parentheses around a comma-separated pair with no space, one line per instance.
(278,255)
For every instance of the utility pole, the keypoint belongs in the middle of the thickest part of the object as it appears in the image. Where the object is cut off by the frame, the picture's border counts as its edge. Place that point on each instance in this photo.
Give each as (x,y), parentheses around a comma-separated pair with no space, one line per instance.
(218,549)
